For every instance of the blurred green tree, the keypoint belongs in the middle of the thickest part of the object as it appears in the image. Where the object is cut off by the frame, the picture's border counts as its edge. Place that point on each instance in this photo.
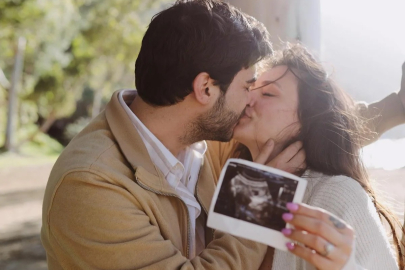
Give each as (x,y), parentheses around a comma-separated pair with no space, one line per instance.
(71,45)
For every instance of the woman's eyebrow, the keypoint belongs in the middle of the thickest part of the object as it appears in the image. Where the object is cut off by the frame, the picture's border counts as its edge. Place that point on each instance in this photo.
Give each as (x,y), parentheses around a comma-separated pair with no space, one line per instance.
(265,83)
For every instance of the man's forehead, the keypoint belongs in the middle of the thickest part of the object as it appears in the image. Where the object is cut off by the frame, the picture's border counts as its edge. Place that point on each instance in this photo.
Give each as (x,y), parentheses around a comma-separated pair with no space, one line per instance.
(248,74)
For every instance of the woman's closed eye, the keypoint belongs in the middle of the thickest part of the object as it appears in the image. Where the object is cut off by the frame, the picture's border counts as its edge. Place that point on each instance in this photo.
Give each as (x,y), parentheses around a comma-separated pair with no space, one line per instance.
(271,90)
(267,94)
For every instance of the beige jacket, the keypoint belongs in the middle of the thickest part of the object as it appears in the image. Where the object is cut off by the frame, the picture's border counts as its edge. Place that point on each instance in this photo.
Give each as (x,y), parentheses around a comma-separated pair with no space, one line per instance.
(107,206)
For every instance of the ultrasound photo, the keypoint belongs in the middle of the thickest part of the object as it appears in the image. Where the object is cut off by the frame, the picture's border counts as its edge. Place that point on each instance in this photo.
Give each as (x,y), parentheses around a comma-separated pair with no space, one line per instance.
(255,196)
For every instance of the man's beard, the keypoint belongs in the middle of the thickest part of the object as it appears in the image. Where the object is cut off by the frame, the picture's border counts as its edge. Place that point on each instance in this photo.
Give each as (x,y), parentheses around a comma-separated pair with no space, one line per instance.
(216,125)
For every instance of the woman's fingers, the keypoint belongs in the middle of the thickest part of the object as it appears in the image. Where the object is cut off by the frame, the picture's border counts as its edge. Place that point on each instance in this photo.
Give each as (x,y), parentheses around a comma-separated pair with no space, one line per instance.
(325,240)
(319,261)
(301,169)
(265,152)
(320,215)
(317,243)
(315,226)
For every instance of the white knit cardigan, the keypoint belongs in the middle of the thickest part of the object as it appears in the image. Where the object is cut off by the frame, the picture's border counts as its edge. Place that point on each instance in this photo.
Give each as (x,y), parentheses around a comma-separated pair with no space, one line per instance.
(345,198)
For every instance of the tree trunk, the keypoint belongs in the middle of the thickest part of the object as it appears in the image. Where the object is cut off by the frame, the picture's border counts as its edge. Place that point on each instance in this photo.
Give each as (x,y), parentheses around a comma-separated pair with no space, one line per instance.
(12,95)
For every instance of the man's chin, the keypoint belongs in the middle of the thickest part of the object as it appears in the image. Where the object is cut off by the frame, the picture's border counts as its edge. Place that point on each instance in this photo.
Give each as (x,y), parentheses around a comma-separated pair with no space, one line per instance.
(225,137)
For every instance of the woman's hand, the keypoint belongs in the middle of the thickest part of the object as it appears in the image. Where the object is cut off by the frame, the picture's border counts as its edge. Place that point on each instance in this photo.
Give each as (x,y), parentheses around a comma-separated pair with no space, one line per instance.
(327,242)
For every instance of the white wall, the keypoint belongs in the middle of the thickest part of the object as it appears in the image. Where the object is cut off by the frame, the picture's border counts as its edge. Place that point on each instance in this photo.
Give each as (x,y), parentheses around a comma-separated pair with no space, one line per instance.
(287,20)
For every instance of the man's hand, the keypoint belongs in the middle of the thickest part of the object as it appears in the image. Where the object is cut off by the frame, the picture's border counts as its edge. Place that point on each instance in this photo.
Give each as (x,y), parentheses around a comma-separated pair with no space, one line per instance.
(402,90)
(291,160)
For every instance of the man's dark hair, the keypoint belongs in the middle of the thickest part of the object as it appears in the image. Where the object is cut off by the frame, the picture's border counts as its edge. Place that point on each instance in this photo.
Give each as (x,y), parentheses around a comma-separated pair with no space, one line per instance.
(196,36)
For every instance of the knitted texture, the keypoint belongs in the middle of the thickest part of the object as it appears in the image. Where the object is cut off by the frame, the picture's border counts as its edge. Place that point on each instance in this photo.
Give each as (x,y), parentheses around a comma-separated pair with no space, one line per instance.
(345,198)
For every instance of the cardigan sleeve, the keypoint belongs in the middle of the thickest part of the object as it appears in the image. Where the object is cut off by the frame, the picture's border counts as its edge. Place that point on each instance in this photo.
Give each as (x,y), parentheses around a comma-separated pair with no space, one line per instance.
(345,198)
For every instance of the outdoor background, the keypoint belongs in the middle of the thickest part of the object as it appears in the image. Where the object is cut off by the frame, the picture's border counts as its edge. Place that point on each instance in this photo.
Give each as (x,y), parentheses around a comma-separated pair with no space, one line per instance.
(65,58)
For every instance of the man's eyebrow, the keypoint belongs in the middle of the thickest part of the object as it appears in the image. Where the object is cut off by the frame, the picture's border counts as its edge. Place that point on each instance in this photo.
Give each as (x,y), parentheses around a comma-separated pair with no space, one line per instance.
(252,80)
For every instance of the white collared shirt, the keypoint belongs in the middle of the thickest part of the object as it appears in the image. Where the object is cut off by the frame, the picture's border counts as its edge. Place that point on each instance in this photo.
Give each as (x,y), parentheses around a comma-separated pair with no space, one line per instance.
(181,173)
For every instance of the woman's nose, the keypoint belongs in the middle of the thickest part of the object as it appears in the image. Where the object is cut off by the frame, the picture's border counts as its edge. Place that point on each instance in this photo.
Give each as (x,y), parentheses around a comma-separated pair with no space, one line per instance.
(253,97)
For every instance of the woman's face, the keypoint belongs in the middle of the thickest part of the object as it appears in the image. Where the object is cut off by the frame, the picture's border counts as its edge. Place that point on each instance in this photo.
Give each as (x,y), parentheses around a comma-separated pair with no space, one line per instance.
(272,112)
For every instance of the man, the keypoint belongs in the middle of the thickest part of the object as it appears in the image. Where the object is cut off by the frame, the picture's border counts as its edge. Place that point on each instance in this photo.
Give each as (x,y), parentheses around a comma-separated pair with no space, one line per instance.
(132,190)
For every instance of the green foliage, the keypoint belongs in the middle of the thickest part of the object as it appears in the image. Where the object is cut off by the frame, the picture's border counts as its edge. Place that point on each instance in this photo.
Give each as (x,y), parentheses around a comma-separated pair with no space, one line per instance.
(73,129)
(42,145)
(71,45)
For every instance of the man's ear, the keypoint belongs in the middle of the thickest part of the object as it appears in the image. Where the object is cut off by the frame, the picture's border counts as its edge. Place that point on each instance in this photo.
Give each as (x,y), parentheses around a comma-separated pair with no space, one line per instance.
(202,88)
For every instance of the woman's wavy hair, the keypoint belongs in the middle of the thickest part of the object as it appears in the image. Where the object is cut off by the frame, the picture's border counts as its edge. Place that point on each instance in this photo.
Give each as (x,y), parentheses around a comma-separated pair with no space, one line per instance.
(331,130)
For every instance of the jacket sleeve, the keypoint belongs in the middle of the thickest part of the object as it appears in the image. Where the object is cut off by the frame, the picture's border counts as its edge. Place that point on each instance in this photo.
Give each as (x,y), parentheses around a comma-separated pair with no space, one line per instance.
(381,116)
(95,224)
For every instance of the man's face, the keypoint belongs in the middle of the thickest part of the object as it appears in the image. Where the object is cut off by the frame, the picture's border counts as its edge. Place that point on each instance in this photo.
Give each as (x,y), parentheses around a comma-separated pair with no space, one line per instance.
(218,123)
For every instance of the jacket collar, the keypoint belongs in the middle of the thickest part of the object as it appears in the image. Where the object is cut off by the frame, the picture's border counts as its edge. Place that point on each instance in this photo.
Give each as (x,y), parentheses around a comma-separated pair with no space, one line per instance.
(137,155)
(130,142)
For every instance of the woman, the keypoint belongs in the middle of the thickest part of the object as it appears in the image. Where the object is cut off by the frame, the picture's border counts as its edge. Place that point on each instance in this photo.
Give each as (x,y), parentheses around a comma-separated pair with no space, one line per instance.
(296,100)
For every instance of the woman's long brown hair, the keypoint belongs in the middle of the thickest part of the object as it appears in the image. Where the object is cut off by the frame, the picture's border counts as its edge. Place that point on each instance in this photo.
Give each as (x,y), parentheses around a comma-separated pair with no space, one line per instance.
(332,131)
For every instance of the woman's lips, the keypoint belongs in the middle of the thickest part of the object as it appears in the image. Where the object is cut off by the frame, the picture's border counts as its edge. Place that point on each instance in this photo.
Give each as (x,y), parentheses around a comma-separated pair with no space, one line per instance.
(244,117)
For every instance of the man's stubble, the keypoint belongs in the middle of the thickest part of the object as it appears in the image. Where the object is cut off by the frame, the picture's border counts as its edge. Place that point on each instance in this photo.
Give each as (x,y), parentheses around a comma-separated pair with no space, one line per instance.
(216,125)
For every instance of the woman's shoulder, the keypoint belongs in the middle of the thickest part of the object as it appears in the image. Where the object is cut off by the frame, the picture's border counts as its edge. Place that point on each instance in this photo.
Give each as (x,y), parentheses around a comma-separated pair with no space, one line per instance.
(344,197)
(337,193)
(332,184)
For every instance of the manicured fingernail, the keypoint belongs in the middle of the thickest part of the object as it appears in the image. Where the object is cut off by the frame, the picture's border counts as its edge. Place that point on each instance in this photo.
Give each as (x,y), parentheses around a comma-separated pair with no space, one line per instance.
(290,246)
(287,216)
(292,206)
(286,231)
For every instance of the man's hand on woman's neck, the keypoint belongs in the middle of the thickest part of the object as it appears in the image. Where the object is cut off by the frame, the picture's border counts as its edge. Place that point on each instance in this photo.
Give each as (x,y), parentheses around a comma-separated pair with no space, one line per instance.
(291,159)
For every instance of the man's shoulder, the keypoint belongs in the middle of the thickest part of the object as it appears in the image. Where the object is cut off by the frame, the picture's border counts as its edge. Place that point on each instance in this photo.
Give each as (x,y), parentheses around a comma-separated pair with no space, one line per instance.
(93,150)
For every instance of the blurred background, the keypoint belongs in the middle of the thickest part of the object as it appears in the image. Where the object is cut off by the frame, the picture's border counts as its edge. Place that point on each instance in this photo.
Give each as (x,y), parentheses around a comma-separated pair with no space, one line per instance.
(60,61)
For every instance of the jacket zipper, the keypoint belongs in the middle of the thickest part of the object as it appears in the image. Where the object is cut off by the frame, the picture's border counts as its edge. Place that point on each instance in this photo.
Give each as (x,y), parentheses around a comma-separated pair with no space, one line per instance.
(205,210)
(172,195)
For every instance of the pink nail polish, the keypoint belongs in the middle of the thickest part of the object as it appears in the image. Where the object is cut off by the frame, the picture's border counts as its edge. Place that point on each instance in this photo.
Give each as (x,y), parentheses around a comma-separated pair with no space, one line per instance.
(286,231)
(290,246)
(287,216)
(292,206)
